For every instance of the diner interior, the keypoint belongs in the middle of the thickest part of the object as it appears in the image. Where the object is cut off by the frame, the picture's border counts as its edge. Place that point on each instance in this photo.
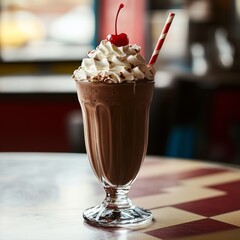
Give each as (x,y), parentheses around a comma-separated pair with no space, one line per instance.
(195,112)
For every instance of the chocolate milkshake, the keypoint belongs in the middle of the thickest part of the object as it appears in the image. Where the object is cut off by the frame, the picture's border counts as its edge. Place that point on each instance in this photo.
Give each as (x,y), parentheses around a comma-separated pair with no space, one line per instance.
(115,88)
(116,127)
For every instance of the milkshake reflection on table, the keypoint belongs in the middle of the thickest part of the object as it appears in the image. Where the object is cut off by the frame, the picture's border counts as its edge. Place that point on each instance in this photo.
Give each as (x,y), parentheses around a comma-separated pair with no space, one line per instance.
(115,88)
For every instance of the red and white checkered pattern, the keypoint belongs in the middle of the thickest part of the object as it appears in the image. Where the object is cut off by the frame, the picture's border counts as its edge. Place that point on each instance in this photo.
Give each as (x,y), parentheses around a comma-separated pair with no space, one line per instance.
(188,200)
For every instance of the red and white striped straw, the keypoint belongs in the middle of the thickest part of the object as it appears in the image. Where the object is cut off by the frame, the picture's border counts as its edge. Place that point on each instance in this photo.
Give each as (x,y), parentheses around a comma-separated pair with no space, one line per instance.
(161,39)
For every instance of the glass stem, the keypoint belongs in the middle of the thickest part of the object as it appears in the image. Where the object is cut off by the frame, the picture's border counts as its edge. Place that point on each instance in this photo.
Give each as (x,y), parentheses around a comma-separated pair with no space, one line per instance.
(117,197)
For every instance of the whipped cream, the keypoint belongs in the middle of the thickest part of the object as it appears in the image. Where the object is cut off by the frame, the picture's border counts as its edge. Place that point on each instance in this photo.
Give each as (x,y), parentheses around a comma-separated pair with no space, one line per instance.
(112,64)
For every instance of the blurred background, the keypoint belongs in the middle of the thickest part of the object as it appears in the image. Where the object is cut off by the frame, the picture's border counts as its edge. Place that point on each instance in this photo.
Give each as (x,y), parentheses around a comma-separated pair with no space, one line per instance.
(196,107)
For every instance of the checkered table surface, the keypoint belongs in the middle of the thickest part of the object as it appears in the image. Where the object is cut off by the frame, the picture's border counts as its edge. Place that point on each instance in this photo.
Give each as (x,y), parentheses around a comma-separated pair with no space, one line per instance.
(190,200)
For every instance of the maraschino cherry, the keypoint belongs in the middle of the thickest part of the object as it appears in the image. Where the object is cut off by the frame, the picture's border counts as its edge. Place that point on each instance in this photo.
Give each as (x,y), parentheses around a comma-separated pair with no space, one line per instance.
(118,40)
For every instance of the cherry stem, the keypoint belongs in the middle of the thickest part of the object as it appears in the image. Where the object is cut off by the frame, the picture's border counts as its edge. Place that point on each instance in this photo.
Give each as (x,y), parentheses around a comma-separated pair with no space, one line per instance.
(120,7)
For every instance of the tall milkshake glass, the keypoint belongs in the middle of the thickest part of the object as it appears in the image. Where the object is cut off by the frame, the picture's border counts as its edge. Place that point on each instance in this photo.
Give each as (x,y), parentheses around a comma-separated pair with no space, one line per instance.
(116,118)
(115,88)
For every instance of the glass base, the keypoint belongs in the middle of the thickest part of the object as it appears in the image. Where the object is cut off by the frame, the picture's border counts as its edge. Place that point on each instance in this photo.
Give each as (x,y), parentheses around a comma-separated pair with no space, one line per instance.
(104,216)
